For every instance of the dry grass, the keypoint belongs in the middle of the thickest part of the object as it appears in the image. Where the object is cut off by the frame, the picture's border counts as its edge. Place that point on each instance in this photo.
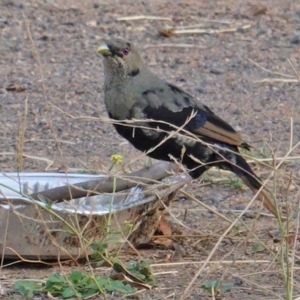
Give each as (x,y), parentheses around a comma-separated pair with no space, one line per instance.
(282,257)
(186,272)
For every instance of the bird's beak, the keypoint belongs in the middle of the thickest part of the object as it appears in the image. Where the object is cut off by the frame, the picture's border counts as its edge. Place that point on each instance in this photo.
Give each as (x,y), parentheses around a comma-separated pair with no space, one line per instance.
(104,50)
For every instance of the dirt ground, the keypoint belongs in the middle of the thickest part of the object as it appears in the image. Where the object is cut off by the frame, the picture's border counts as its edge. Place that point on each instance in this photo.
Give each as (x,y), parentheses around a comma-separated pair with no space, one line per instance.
(48,59)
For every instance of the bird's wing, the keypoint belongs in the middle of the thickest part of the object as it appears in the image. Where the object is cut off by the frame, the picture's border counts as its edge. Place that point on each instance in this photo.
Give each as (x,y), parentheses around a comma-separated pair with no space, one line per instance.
(172,105)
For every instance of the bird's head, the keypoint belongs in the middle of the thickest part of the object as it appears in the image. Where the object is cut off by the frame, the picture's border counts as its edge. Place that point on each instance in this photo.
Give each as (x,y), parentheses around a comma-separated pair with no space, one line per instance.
(120,58)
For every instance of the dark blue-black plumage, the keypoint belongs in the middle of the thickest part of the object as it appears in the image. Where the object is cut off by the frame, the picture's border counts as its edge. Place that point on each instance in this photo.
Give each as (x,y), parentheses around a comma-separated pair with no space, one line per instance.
(167,123)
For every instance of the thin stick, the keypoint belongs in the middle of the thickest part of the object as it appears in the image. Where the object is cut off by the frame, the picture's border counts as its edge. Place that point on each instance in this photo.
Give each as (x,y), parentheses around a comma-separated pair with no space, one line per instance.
(294,69)
(264,261)
(107,120)
(173,46)
(291,135)
(179,222)
(47,103)
(186,291)
(204,205)
(276,80)
(202,25)
(143,17)
(272,159)
(224,210)
(22,129)
(207,31)
(167,272)
(34,140)
(294,248)
(226,22)
(269,71)
(48,161)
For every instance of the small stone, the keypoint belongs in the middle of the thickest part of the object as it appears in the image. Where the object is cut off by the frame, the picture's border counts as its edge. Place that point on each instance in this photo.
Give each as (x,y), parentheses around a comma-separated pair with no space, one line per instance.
(200,90)
(209,214)
(238,282)
(239,207)
(92,23)
(297,13)
(217,71)
(295,39)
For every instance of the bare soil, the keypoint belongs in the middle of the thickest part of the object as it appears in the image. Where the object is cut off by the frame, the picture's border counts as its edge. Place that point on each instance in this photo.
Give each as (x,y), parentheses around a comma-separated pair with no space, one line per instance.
(50,71)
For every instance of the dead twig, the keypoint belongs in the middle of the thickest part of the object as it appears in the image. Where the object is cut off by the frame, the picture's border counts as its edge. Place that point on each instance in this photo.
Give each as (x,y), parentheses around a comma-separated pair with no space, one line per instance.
(169,31)
(288,79)
(206,206)
(174,46)
(294,69)
(47,160)
(277,80)
(143,17)
(21,137)
(269,71)
(188,288)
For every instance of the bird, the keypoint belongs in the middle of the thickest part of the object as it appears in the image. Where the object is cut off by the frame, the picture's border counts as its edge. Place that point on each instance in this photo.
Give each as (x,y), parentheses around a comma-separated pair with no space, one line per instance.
(167,123)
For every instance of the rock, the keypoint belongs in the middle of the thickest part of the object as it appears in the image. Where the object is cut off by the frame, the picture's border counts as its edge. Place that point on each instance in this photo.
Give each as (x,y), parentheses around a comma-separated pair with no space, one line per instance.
(295,39)
(217,70)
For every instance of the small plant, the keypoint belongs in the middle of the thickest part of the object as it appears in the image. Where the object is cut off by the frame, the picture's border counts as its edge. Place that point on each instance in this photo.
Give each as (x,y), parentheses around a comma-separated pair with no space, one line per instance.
(206,178)
(234,182)
(100,247)
(116,159)
(82,285)
(258,247)
(77,284)
(141,269)
(215,287)
(263,152)
(27,288)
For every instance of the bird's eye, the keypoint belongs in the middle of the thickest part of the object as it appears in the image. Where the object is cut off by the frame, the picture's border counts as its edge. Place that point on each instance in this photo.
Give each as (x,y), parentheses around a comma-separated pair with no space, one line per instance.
(125,51)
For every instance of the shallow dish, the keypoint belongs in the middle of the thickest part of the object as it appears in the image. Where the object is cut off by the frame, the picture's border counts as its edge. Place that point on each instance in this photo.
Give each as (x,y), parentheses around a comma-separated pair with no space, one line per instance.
(32,229)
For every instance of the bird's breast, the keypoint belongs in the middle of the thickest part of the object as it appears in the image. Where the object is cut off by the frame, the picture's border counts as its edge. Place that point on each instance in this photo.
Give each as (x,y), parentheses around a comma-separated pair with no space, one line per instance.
(118,104)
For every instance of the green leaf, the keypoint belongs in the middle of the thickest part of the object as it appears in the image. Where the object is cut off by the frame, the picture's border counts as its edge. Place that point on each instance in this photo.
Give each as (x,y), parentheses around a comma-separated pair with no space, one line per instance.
(141,269)
(113,237)
(259,247)
(99,249)
(216,285)
(208,285)
(226,287)
(76,276)
(119,286)
(55,284)
(27,288)
(89,293)
(87,281)
(102,281)
(81,285)
(56,278)
(92,286)
(68,293)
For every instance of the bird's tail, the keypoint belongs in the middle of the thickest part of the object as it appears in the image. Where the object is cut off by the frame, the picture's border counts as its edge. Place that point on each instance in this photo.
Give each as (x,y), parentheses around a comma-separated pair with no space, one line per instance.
(243,170)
